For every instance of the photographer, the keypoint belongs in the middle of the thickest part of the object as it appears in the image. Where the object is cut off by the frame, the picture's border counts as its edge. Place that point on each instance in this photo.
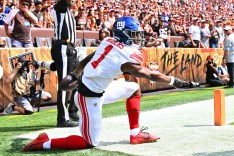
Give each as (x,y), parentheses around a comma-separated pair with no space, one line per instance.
(212,75)
(22,79)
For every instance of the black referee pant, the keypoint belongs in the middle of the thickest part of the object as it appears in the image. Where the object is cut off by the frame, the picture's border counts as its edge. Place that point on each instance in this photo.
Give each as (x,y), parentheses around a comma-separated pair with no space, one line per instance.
(65,57)
(230,68)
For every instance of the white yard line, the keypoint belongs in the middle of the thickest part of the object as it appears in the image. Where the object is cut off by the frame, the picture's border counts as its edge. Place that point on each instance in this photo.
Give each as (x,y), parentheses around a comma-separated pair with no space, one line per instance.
(184,130)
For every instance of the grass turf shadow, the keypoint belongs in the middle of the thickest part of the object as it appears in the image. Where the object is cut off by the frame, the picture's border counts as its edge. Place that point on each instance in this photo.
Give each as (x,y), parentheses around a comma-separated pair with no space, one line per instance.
(26,128)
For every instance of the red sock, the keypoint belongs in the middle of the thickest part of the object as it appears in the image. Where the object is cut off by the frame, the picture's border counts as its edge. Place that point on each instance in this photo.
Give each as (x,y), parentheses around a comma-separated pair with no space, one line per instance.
(133,110)
(73,142)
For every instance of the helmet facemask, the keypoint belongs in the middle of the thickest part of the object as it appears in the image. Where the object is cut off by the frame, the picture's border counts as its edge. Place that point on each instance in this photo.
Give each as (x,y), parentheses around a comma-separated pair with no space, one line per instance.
(135,37)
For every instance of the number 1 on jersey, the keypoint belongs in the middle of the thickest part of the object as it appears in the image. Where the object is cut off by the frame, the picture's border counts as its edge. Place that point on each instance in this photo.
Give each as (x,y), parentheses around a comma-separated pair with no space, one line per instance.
(107,50)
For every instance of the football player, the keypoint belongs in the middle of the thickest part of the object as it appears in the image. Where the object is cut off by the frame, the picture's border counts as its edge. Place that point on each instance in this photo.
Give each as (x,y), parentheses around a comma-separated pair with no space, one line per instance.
(94,76)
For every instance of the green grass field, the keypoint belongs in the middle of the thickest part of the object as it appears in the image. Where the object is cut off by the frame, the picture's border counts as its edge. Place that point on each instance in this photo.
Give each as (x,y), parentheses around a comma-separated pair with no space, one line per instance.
(14,125)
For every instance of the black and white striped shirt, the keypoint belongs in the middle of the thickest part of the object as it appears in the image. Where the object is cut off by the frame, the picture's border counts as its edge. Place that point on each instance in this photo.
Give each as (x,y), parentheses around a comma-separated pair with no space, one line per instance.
(64,22)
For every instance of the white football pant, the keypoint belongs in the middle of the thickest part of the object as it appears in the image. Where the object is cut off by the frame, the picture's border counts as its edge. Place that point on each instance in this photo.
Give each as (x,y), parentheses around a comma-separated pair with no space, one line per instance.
(90,121)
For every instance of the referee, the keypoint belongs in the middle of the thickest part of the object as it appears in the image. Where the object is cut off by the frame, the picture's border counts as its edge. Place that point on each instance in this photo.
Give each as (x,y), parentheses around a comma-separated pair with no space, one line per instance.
(64,54)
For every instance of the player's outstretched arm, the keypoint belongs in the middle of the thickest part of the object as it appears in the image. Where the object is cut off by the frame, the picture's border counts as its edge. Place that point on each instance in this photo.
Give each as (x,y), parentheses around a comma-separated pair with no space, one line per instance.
(144,72)
(156,76)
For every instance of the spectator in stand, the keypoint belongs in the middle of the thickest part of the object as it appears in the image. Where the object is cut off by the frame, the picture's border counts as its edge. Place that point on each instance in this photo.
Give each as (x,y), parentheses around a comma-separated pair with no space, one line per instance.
(205,35)
(99,21)
(171,27)
(142,16)
(48,21)
(195,33)
(214,36)
(146,26)
(81,19)
(164,31)
(22,19)
(177,27)
(154,24)
(111,17)
(37,12)
(151,41)
(11,4)
(164,39)
(103,33)
(74,8)
(165,16)
(219,28)
(91,20)
(31,6)
(106,21)
(185,43)
(4,10)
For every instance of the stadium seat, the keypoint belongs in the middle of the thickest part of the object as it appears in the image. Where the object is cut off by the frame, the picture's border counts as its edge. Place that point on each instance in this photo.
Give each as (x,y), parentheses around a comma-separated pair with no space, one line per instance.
(79,43)
(42,42)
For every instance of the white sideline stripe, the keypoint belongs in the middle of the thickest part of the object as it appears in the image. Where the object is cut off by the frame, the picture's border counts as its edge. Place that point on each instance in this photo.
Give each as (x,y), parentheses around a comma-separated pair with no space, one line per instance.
(186,129)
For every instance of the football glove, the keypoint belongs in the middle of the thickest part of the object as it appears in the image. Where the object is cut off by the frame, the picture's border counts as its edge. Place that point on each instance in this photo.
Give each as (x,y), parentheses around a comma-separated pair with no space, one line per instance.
(183,84)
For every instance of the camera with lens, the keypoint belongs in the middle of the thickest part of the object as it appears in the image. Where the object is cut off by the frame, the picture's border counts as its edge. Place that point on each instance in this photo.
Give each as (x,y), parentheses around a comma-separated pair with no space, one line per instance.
(49,65)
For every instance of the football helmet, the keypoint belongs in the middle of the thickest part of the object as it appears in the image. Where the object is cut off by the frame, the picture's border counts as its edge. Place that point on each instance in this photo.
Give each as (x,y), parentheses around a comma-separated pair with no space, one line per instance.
(128,31)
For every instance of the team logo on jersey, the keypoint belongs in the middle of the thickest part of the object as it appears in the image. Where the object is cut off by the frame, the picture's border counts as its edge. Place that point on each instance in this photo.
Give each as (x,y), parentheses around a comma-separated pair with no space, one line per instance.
(120,25)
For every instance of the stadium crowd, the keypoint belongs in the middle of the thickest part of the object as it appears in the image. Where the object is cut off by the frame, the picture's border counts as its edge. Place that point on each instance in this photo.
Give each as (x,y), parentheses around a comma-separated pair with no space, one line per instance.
(159,18)
(91,14)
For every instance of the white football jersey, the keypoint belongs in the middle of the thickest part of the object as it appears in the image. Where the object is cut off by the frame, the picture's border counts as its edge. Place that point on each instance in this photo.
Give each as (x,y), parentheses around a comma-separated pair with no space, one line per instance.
(106,64)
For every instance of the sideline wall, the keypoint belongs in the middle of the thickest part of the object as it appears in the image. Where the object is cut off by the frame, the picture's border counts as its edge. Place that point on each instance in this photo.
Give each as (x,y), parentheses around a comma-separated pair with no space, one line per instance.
(45,32)
(182,63)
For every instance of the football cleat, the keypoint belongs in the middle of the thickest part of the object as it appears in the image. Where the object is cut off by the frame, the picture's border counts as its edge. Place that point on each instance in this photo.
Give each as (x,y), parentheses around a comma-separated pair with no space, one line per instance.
(9,109)
(194,84)
(143,137)
(37,144)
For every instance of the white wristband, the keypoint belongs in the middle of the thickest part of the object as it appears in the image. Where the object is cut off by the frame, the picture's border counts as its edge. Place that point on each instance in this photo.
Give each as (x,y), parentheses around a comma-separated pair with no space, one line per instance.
(172,80)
